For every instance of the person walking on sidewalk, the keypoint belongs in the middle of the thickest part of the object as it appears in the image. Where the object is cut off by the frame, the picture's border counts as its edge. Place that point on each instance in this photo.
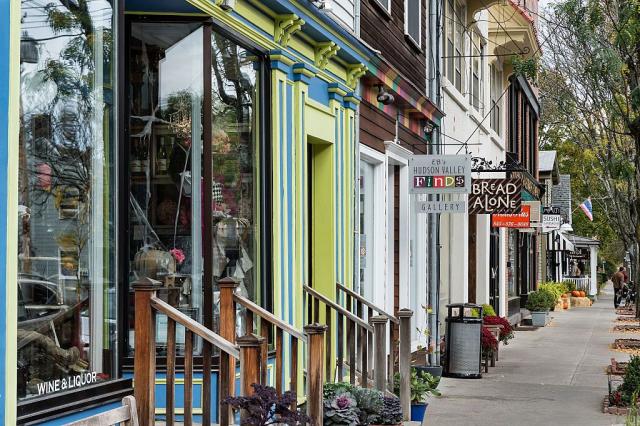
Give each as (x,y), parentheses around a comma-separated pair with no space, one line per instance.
(618,282)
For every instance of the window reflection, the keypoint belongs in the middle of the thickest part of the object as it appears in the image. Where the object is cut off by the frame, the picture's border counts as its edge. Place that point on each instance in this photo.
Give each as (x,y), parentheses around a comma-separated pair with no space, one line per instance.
(66,293)
(166,168)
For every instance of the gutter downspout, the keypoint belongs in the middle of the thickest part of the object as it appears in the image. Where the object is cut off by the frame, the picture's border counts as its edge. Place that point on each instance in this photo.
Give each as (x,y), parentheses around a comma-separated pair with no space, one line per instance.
(434,220)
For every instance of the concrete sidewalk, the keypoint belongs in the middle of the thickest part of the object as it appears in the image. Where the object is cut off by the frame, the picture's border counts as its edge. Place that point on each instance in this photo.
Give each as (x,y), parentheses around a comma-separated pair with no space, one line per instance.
(549,376)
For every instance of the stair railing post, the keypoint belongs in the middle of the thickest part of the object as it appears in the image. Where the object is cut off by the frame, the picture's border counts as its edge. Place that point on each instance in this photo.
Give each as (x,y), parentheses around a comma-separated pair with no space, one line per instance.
(315,371)
(145,350)
(227,288)
(379,349)
(250,362)
(405,362)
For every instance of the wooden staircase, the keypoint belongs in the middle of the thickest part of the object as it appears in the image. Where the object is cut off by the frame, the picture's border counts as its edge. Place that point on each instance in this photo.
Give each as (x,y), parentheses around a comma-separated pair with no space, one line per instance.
(360,328)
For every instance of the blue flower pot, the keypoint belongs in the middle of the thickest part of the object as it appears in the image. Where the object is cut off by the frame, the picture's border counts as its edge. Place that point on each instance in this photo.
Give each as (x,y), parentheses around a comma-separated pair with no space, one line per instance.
(418,411)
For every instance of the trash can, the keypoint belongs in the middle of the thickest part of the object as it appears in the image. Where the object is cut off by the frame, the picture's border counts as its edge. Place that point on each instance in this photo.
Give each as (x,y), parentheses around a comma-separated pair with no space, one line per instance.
(463,346)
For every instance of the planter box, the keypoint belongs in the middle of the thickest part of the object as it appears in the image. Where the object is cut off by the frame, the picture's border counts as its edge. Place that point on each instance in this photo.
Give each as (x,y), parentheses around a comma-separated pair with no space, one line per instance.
(539,319)
(434,370)
(613,409)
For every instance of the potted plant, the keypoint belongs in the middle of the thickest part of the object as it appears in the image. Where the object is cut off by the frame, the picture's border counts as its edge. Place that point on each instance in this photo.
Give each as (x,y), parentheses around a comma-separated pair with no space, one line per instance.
(506,332)
(422,384)
(346,404)
(539,303)
(266,407)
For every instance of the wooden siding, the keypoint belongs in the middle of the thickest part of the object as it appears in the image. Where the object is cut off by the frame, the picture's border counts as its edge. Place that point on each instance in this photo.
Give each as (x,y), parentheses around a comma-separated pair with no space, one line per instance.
(376,127)
(386,33)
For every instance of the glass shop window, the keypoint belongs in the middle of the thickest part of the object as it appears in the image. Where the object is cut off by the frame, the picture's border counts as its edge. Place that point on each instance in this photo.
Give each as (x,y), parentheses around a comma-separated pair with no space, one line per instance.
(166,167)
(66,336)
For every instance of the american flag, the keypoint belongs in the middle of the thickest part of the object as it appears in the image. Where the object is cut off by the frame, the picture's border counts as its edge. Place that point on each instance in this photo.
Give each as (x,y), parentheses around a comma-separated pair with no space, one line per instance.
(587,208)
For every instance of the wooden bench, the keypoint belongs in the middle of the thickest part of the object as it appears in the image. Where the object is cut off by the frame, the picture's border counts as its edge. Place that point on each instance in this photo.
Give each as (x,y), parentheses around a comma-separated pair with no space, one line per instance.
(127,415)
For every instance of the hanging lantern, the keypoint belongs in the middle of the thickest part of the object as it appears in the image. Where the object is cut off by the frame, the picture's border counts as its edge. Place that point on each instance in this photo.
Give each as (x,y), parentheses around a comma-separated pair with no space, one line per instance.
(28,49)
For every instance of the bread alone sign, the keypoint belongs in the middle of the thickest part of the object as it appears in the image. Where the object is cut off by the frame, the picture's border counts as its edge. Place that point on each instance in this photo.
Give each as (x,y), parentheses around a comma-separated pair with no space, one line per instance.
(495,196)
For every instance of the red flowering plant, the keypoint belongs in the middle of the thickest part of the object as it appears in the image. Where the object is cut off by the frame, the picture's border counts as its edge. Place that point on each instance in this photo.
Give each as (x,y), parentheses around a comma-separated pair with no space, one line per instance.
(506,333)
(488,341)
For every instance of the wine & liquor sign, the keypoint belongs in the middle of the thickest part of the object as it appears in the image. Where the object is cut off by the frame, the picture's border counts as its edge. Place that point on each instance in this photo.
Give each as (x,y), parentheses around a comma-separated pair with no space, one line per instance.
(440,174)
(492,196)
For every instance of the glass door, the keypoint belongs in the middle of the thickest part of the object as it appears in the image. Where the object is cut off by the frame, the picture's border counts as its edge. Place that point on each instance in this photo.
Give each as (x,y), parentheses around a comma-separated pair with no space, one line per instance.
(165,165)
(367,177)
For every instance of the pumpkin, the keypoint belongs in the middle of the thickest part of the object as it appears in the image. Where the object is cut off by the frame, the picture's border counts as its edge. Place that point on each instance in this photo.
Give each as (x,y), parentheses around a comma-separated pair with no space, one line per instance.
(583,294)
(575,293)
(565,305)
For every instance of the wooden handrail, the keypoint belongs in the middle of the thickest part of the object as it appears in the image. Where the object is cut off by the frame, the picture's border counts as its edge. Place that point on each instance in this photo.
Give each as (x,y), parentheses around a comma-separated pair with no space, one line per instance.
(338,308)
(269,317)
(195,327)
(365,302)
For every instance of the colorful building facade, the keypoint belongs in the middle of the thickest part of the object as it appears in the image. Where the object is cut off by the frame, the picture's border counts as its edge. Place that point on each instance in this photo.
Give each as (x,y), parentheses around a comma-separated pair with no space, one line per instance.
(186,142)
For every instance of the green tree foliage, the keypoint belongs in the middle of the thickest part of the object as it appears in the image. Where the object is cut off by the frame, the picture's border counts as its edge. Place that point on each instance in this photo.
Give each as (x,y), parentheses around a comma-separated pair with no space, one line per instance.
(590,86)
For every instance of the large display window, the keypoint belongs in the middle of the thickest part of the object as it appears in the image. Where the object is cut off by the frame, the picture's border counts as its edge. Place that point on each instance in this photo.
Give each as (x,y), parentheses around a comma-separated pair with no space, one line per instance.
(67,294)
(193,103)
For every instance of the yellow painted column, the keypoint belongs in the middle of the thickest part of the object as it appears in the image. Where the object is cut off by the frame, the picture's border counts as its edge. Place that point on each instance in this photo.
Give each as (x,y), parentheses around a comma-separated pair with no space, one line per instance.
(11,274)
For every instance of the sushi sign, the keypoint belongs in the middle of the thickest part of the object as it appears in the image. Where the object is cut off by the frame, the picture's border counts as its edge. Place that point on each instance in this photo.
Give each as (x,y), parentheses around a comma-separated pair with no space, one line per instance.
(440,174)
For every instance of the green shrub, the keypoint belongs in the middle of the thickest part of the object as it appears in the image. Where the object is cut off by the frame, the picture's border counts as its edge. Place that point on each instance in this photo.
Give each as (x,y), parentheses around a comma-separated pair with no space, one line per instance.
(488,311)
(570,286)
(557,289)
(631,381)
(539,301)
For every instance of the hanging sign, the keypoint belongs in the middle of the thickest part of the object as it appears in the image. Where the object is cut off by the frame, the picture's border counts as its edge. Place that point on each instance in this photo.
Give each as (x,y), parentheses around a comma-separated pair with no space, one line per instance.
(440,174)
(492,196)
(551,218)
(519,220)
(441,207)
(551,222)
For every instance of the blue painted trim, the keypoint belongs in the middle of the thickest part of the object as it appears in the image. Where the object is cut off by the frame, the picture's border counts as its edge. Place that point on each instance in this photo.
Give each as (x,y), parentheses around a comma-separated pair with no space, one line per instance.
(5,44)
(342,211)
(319,91)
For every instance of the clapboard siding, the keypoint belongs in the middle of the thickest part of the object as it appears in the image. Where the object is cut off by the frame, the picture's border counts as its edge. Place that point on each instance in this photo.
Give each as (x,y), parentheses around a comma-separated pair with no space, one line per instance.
(343,11)
(376,127)
(386,34)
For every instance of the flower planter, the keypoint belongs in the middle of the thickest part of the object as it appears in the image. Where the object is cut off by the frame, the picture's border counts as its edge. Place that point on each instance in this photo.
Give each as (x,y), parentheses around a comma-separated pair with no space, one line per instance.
(434,370)
(539,319)
(418,411)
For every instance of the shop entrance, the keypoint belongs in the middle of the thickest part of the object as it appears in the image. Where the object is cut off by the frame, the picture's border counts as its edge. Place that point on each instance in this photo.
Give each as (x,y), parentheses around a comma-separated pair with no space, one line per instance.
(321,216)
(494,269)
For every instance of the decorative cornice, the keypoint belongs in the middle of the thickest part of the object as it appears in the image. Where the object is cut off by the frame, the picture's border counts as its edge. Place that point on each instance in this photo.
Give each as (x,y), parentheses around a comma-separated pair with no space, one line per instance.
(352,100)
(280,60)
(303,73)
(285,27)
(354,72)
(323,52)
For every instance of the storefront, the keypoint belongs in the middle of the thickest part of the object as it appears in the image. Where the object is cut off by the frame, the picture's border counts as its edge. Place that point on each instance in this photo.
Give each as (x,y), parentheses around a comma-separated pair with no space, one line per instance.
(185,144)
